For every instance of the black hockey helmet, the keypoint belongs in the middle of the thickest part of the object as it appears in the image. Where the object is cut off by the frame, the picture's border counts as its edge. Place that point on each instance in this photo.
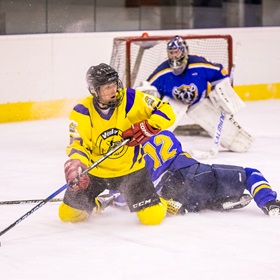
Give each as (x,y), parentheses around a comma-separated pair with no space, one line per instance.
(101,75)
(177,51)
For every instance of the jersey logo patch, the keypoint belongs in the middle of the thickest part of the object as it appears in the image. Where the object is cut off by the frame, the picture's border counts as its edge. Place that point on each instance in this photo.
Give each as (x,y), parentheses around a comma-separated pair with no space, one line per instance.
(150,101)
(108,140)
(73,129)
(185,93)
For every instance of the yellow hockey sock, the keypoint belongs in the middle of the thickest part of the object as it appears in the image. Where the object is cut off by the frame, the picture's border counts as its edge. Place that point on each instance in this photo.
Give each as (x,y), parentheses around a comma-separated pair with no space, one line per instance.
(70,214)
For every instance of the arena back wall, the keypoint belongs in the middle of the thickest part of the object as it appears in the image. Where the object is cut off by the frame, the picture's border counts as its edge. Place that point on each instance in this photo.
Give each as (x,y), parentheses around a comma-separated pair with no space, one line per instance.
(42,76)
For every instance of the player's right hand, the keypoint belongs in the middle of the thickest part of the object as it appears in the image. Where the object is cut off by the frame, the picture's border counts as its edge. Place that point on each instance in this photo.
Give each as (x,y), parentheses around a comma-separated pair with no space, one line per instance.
(139,133)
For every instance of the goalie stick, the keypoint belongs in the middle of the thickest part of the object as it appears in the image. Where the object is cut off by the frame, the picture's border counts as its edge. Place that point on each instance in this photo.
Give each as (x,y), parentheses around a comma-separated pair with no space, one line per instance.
(217,136)
(42,203)
(215,147)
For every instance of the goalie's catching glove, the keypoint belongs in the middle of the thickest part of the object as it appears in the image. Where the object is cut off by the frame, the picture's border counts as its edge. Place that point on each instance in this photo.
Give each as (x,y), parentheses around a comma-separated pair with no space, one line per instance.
(73,169)
(146,87)
(139,133)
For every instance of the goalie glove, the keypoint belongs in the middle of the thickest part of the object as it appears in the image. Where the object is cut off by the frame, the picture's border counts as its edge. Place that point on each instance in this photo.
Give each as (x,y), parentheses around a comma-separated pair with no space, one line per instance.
(139,133)
(146,87)
(225,98)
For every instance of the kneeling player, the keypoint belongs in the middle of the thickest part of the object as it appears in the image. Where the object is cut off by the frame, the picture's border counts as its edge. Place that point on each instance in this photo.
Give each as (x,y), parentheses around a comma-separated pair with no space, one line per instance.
(98,124)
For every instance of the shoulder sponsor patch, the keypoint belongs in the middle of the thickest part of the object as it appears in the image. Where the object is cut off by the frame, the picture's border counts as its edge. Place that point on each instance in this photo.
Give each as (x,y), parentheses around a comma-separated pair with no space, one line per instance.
(150,101)
(73,128)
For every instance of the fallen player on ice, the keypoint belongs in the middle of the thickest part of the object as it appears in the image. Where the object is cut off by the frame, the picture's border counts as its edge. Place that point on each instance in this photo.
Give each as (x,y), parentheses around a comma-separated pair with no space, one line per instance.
(190,186)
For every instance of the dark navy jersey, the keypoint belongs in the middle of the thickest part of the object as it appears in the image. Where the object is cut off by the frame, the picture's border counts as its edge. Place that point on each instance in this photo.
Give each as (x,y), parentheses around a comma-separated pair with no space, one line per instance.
(164,152)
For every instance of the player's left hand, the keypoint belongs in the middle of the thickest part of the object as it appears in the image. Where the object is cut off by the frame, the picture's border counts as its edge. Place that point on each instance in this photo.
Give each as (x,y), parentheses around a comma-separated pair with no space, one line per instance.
(81,184)
(73,169)
(139,133)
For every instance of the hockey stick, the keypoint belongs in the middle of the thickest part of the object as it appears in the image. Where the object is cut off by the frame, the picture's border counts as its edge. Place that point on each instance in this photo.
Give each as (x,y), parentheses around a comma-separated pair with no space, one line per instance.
(27,201)
(218,132)
(27,214)
(215,147)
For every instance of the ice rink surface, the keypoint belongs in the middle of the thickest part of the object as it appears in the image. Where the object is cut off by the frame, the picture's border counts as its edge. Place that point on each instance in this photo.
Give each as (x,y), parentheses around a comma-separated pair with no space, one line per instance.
(238,245)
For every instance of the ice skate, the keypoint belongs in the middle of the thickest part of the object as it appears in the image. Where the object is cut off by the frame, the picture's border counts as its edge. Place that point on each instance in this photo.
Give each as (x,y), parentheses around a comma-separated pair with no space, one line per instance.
(230,203)
(272,208)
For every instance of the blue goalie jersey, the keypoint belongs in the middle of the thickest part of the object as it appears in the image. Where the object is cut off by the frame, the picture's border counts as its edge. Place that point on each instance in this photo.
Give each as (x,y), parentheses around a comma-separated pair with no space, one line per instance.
(194,83)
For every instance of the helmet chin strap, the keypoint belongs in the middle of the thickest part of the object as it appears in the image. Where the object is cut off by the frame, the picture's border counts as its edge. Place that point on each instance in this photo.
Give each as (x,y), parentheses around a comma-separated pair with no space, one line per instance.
(107,105)
(101,105)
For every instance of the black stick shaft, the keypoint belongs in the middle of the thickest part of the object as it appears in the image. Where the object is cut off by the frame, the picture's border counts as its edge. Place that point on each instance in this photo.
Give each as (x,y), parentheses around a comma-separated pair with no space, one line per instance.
(28,201)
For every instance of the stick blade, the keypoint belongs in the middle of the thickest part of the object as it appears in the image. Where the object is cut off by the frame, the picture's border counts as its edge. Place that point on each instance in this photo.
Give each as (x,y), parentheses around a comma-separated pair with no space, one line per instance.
(198,154)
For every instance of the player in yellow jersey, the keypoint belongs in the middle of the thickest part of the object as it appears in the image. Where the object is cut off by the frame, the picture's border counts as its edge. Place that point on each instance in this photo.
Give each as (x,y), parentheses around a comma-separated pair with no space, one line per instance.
(110,114)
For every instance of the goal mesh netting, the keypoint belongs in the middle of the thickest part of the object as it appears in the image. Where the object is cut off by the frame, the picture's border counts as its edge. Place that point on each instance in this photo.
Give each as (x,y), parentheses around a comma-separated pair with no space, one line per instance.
(135,58)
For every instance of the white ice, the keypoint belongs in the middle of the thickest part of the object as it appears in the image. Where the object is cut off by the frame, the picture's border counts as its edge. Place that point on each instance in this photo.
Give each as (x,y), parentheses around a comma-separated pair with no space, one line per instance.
(237,245)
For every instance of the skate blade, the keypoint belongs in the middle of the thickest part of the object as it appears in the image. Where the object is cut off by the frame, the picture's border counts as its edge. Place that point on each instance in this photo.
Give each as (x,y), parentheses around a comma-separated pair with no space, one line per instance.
(244,201)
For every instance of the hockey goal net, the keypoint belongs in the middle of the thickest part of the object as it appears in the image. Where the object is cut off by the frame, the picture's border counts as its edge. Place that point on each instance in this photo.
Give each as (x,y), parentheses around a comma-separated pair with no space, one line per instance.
(135,58)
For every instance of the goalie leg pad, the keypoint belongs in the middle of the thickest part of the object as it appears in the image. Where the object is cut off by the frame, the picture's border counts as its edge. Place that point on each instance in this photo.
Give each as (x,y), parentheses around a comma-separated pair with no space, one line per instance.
(233,136)
(225,98)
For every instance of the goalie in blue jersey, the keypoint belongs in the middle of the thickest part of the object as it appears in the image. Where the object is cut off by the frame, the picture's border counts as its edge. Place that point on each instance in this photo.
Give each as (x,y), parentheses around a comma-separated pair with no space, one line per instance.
(191,186)
(193,84)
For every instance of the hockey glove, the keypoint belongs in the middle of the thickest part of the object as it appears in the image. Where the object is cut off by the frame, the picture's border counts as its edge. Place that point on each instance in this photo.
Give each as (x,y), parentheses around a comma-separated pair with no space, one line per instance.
(146,87)
(73,169)
(139,133)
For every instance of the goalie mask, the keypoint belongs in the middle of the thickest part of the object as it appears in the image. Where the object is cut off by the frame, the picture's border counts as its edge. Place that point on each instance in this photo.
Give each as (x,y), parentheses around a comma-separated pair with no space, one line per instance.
(177,51)
(104,84)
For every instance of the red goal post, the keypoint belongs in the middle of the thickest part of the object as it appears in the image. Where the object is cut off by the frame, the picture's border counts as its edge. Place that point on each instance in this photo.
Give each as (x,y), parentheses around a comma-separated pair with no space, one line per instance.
(135,58)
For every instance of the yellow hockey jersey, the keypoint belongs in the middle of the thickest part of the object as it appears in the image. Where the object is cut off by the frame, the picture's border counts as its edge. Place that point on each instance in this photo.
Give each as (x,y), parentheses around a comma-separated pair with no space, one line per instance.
(93,133)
